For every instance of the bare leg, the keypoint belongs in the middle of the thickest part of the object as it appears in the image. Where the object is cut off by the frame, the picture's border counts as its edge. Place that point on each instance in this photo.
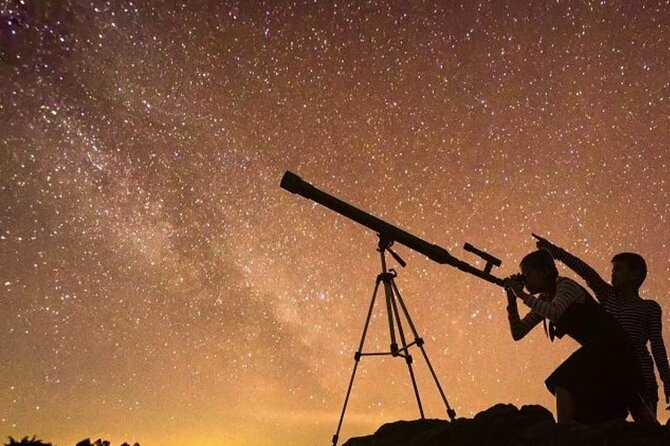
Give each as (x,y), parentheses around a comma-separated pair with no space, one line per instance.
(565,405)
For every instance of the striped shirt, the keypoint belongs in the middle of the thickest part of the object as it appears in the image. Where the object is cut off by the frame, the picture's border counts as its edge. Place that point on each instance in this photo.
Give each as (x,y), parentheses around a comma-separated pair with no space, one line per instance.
(640,318)
(568,292)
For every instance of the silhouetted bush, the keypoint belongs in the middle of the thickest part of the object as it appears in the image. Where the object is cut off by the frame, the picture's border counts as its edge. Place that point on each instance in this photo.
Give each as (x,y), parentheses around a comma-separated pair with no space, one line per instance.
(25,441)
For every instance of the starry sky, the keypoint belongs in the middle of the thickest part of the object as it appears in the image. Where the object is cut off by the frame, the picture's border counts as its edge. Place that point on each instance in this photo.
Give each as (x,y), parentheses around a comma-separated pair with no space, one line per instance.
(156,283)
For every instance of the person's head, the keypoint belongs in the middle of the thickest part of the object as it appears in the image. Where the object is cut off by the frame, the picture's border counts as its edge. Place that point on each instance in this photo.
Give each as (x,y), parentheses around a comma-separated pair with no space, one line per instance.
(539,271)
(628,271)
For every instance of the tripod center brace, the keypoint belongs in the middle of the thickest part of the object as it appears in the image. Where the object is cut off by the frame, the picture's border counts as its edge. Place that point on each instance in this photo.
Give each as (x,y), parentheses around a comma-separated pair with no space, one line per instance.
(393,300)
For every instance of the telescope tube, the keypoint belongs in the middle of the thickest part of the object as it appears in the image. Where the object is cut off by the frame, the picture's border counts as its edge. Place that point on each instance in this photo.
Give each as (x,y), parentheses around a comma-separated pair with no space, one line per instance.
(293,183)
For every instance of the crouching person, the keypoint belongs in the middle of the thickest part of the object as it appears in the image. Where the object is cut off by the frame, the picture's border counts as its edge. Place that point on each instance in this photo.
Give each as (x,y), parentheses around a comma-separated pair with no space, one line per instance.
(602,379)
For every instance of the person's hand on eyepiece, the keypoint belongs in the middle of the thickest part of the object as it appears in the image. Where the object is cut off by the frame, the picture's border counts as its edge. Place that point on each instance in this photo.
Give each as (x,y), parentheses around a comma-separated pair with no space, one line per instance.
(514,283)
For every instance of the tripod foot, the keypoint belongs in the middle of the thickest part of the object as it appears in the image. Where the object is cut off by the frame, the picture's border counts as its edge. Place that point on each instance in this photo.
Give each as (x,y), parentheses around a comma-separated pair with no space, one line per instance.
(335,440)
(452,414)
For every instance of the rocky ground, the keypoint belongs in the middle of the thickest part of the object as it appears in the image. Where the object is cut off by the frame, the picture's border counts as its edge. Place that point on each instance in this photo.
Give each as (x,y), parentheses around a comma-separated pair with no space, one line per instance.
(506,425)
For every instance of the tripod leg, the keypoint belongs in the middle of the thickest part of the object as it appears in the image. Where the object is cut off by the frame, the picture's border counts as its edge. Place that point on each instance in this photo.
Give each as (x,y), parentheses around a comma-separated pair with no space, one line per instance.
(408,357)
(357,358)
(388,292)
(419,341)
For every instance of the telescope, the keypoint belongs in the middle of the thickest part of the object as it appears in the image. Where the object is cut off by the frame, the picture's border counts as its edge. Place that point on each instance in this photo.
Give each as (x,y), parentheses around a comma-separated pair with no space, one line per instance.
(389,233)
(395,303)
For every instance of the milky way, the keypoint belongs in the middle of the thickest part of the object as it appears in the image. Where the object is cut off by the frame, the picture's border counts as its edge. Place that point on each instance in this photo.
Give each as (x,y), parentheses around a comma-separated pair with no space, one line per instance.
(156,283)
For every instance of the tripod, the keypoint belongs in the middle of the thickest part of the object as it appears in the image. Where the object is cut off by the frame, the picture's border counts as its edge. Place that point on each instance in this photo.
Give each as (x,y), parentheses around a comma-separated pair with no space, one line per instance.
(393,298)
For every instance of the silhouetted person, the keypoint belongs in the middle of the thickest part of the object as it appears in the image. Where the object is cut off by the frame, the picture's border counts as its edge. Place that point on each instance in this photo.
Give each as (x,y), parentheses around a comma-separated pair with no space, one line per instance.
(640,318)
(601,380)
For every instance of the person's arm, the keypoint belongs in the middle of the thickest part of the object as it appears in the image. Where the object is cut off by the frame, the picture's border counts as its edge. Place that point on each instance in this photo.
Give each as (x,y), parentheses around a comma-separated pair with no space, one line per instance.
(600,287)
(567,293)
(519,327)
(658,347)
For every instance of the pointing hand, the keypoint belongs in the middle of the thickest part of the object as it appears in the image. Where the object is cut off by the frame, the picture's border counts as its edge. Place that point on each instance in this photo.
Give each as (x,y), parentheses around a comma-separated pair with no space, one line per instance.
(543,243)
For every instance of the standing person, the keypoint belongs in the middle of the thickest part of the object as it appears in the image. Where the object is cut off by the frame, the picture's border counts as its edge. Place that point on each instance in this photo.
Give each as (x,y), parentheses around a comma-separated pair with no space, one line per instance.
(600,380)
(640,318)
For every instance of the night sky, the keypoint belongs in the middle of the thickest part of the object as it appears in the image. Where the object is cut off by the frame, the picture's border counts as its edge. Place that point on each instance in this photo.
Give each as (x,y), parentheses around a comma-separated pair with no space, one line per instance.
(156,283)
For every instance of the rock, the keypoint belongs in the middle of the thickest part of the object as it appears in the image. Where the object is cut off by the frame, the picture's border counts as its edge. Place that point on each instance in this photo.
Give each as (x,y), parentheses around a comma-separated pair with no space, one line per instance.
(403,432)
(505,425)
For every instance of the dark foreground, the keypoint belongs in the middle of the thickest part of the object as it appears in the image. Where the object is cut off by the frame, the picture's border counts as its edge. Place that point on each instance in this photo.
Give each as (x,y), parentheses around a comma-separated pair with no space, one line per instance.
(505,425)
